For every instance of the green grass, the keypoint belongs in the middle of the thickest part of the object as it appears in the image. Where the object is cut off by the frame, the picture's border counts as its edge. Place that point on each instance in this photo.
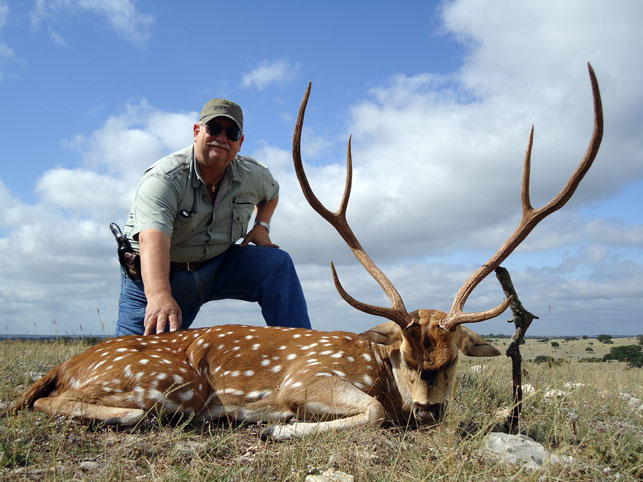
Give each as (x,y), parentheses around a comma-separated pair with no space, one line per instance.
(594,424)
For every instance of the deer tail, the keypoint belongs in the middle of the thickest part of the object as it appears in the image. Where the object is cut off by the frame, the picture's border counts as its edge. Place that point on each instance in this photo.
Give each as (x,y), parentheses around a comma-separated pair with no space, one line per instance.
(39,389)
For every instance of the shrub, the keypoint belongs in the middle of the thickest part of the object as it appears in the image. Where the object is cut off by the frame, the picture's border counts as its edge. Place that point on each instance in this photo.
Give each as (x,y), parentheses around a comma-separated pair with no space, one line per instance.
(632,354)
(555,344)
(605,339)
(551,361)
(589,348)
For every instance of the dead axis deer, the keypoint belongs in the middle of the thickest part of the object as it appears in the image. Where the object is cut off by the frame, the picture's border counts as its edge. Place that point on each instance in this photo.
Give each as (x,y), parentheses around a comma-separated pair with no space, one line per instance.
(403,369)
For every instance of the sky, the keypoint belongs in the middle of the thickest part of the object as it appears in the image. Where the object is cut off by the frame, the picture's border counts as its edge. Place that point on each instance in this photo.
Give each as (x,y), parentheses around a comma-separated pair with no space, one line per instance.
(439,98)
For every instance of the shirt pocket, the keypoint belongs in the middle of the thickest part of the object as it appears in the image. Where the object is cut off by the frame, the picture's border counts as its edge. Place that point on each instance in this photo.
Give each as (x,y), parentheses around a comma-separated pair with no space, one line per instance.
(184,228)
(242,210)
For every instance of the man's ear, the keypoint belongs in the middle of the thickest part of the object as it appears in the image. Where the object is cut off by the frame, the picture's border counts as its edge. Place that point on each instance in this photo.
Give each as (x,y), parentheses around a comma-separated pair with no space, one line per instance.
(385,334)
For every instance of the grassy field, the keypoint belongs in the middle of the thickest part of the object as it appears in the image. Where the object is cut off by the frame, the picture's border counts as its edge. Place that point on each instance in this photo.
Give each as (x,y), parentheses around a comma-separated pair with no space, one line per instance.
(594,423)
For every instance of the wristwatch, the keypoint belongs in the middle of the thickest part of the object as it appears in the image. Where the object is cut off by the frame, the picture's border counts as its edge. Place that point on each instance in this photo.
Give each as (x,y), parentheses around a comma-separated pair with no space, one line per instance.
(265,225)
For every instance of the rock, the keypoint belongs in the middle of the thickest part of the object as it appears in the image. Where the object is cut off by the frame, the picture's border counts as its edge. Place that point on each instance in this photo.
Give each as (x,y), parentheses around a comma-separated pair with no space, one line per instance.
(553,393)
(88,465)
(520,450)
(528,389)
(330,475)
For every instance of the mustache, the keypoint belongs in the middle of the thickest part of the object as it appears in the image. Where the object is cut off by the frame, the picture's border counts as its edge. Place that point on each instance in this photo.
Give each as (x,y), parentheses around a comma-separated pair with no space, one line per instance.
(218,144)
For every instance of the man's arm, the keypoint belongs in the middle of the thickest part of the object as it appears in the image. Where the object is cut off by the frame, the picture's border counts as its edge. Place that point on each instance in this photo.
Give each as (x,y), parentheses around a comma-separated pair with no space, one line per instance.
(154,246)
(258,234)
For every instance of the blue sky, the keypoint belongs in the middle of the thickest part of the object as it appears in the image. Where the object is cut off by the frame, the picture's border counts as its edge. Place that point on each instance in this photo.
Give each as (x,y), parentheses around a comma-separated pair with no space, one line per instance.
(439,98)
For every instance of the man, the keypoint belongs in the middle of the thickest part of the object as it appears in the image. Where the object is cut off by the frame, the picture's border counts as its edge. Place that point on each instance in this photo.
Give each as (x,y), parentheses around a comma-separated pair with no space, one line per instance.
(189,210)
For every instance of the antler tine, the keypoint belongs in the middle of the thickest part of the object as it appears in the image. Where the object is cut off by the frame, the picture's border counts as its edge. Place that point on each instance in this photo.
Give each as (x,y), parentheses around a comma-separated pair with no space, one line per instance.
(530,218)
(397,312)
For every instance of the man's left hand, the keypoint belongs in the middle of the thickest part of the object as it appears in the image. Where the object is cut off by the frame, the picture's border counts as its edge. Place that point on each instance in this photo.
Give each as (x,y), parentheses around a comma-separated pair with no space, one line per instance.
(258,236)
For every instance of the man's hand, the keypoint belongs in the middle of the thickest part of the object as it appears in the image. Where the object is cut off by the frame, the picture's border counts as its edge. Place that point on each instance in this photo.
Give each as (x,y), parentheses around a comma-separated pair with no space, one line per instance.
(161,309)
(258,236)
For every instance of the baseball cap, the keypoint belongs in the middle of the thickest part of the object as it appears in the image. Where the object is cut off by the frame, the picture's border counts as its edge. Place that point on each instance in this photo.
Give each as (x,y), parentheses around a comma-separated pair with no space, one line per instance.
(222,108)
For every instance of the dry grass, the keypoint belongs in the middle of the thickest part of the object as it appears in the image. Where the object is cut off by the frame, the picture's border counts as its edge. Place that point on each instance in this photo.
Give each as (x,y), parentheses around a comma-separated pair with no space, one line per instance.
(594,424)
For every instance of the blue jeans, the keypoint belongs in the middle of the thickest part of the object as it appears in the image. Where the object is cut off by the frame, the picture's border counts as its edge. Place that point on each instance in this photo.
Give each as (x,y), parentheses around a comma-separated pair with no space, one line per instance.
(252,273)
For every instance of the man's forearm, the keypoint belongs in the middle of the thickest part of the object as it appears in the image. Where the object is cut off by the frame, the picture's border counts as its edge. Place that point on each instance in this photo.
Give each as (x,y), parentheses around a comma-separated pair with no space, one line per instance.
(154,248)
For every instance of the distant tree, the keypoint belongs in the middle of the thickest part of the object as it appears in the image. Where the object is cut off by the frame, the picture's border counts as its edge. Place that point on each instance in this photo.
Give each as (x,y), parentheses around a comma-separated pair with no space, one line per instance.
(555,344)
(543,340)
(589,348)
(607,339)
(632,354)
(640,339)
(585,337)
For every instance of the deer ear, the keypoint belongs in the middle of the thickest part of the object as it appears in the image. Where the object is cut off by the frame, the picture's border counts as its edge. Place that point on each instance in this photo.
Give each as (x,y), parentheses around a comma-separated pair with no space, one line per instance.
(385,334)
(472,344)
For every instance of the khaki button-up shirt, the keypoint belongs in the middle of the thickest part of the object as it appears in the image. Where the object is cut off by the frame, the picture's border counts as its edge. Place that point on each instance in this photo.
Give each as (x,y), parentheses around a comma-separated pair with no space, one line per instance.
(173,198)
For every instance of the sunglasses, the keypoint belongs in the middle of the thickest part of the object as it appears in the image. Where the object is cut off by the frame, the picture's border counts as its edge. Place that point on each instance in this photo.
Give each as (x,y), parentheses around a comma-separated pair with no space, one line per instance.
(232,132)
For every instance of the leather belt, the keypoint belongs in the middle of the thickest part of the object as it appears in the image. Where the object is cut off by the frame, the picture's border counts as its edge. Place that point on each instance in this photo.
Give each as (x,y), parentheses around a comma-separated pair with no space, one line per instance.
(190,265)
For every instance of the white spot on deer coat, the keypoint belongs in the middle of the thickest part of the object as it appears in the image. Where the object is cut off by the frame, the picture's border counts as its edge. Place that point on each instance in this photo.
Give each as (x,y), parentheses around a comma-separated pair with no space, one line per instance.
(185,396)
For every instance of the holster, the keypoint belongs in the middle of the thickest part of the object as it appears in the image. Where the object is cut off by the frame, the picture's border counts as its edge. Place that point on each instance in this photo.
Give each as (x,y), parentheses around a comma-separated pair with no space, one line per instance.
(129,259)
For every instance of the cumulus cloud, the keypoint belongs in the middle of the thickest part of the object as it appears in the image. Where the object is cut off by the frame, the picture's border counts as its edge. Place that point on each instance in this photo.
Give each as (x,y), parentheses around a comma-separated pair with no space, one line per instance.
(59,255)
(121,15)
(276,72)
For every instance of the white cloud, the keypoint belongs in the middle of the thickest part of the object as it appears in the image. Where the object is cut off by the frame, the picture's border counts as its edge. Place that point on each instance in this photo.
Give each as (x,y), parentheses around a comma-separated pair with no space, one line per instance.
(59,255)
(276,72)
(122,16)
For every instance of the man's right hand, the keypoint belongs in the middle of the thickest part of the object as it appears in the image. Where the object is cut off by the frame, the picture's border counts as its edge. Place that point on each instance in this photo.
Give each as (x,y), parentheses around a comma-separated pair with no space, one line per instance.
(161,309)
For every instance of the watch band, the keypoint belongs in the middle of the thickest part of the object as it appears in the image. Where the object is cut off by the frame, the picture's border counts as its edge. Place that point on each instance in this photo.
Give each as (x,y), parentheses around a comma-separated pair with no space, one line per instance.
(265,225)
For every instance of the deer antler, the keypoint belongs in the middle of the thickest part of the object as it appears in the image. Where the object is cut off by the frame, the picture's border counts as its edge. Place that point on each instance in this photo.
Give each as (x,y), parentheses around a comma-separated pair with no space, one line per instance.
(397,312)
(530,218)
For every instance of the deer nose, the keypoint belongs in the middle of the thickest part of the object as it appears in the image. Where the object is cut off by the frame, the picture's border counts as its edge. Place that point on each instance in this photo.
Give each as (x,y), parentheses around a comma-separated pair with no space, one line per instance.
(428,413)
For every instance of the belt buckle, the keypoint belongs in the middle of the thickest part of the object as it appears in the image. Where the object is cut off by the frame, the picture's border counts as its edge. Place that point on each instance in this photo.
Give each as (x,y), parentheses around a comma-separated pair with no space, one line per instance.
(189,265)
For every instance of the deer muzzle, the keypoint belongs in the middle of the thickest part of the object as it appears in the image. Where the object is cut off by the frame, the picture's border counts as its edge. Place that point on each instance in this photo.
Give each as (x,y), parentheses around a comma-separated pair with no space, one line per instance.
(429,413)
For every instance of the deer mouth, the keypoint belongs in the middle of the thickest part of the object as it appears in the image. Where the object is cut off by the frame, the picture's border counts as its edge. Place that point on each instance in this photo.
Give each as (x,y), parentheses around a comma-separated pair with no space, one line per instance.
(429,413)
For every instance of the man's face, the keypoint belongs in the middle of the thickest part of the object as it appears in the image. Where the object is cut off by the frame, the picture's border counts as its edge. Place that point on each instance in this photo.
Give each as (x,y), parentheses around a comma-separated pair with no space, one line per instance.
(215,151)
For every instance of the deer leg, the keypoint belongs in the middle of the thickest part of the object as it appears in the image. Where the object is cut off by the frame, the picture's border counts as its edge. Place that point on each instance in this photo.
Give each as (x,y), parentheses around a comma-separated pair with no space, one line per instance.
(347,405)
(62,405)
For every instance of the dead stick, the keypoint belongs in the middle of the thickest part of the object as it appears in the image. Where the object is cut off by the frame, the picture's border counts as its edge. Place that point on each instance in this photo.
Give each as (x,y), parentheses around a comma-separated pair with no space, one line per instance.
(521,319)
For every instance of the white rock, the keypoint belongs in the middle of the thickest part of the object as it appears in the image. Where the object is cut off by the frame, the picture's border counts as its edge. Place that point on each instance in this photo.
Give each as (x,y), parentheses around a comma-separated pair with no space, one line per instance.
(476,369)
(528,389)
(554,393)
(520,450)
(330,475)
(89,465)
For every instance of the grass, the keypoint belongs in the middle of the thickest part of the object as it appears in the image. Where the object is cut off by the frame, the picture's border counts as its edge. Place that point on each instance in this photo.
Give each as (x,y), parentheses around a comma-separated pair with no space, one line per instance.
(593,423)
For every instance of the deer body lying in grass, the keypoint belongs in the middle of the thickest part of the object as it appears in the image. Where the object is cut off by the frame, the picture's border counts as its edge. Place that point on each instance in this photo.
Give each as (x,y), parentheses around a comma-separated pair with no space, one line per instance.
(403,369)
